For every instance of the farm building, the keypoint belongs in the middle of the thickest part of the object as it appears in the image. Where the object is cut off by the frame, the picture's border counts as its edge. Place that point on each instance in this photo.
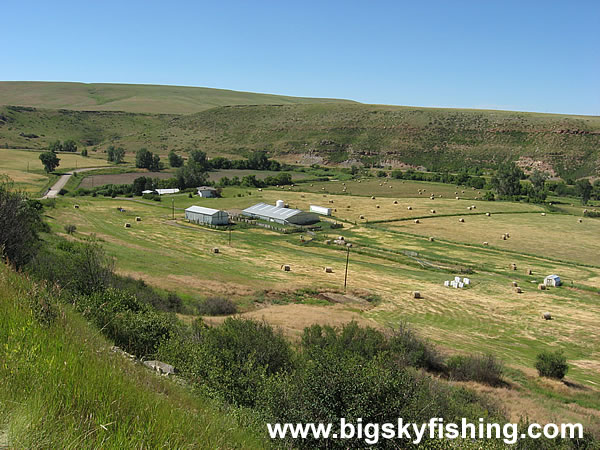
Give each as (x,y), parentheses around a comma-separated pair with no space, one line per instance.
(207,192)
(200,214)
(162,191)
(320,210)
(282,215)
(552,280)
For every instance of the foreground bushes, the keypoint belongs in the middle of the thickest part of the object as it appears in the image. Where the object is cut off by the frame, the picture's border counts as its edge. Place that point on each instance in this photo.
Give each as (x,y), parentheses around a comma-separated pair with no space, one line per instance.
(481,368)
(216,306)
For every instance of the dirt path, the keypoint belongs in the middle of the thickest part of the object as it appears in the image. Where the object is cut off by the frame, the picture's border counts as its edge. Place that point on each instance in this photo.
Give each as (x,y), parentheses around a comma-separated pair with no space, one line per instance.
(62,181)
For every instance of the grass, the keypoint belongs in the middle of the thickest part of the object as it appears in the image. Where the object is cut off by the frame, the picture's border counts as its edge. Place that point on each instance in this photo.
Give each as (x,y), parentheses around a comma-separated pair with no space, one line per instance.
(322,133)
(26,170)
(62,387)
(137,98)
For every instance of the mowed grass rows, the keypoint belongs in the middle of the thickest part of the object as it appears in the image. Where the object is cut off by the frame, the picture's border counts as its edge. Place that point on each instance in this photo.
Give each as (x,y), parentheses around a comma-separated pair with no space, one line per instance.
(488,316)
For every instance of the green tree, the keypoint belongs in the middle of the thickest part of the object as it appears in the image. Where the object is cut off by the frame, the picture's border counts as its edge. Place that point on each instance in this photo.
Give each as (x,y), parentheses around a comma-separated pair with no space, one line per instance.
(115,155)
(175,160)
(258,161)
(55,146)
(84,152)
(50,161)
(143,159)
(191,175)
(584,190)
(199,157)
(155,166)
(69,146)
(507,180)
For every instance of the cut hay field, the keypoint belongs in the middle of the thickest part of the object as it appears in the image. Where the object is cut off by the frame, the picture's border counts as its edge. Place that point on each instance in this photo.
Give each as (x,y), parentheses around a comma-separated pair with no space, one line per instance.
(386,187)
(120,178)
(556,236)
(487,317)
(26,170)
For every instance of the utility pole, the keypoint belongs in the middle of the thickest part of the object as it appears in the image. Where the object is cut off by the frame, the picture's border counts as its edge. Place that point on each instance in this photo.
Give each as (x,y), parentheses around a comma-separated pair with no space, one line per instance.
(173,207)
(347,259)
(230,235)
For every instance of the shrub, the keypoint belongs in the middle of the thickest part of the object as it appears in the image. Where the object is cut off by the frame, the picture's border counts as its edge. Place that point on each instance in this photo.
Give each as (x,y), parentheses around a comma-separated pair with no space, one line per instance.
(481,368)
(70,229)
(217,306)
(411,350)
(552,364)
(231,360)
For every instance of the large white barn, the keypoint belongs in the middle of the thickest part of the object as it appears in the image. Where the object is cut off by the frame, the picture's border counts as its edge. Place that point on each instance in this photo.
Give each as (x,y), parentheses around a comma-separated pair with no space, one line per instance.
(280,214)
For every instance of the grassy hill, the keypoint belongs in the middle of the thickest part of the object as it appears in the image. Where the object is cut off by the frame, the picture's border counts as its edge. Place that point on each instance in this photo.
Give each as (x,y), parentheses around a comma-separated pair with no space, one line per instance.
(134,97)
(62,387)
(329,133)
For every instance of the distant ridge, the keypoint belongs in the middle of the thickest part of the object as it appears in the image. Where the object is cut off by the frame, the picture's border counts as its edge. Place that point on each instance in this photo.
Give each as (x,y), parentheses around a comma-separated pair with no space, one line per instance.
(136,98)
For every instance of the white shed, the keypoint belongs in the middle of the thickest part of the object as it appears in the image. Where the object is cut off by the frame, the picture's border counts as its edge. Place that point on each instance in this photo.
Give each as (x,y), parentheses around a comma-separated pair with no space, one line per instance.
(207,192)
(320,210)
(552,280)
(200,214)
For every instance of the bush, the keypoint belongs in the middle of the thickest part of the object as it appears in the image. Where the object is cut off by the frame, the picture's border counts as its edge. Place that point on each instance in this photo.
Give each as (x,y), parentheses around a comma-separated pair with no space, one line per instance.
(232,360)
(481,368)
(70,229)
(411,350)
(217,306)
(552,364)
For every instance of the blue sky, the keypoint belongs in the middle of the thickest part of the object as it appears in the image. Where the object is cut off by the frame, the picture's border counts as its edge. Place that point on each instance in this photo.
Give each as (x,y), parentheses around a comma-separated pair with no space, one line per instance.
(519,55)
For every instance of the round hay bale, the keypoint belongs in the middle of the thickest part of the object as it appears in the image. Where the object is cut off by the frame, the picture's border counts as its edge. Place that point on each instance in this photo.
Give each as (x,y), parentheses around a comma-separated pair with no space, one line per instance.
(340,238)
(286,268)
(409,208)
(377,206)
(542,287)
(515,284)
(485,243)
(127,225)
(215,250)
(431,239)
(529,272)
(330,201)
(76,206)
(488,214)
(395,202)
(138,219)
(328,242)
(547,316)
(473,207)
(433,211)
(507,235)
(361,217)
(390,187)
(417,221)
(513,266)
(322,188)
(503,237)
(348,244)
(543,214)
(469,208)
(579,220)
(518,290)
(328,270)
(416,294)
(348,207)
(457,198)
(372,198)
(461,220)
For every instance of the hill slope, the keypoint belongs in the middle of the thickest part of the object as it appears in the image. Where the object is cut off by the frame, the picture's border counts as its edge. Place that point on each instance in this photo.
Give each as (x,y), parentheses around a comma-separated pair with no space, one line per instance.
(62,387)
(139,98)
(330,134)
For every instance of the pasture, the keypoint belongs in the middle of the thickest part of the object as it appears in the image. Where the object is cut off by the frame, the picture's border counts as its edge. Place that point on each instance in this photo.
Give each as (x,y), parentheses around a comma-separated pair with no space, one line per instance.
(489,316)
(26,170)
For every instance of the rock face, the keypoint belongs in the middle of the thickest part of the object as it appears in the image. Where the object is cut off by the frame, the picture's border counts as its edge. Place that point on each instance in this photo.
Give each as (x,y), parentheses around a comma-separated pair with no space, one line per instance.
(161,367)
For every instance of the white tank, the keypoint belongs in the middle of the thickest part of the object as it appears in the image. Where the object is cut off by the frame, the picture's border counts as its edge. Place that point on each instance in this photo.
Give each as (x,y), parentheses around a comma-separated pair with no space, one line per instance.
(280,203)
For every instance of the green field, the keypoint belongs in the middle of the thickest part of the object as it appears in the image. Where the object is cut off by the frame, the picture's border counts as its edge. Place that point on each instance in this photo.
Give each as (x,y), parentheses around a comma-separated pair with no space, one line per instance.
(26,170)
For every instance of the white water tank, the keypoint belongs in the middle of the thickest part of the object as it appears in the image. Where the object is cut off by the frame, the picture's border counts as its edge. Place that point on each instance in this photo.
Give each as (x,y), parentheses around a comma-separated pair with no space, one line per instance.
(280,204)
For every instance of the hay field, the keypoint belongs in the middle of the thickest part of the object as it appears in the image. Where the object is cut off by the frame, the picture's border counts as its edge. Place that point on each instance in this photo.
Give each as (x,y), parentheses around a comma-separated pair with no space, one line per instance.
(487,317)
(556,236)
(14,163)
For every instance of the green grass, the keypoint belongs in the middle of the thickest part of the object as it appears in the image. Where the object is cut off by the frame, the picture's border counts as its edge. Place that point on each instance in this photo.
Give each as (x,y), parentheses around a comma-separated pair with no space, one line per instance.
(137,98)
(62,387)
(334,133)
(26,170)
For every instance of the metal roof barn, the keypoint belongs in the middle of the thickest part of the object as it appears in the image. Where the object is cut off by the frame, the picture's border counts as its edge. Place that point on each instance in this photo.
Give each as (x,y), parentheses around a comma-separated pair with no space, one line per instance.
(284,216)
(200,214)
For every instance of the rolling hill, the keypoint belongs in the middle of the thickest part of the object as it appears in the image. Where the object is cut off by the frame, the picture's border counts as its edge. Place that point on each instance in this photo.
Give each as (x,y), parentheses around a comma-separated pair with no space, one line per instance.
(138,98)
(306,131)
